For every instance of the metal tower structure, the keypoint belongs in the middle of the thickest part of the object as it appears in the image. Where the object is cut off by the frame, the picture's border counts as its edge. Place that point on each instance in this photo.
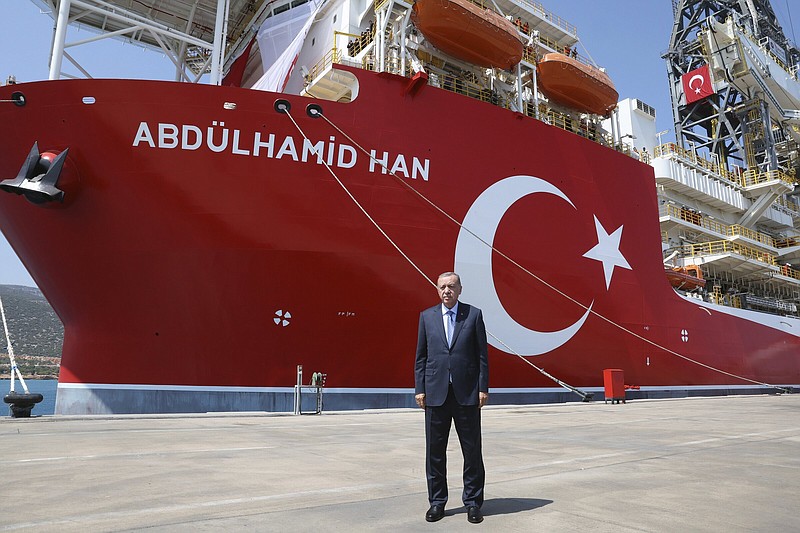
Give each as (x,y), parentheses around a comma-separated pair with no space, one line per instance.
(750,117)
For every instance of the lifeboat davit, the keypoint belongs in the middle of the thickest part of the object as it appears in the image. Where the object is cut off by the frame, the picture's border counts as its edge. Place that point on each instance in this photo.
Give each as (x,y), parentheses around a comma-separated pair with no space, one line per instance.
(686,278)
(469,32)
(577,85)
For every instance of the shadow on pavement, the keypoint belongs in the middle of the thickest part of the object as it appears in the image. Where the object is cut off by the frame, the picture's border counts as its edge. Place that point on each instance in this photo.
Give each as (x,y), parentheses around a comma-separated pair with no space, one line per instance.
(498,506)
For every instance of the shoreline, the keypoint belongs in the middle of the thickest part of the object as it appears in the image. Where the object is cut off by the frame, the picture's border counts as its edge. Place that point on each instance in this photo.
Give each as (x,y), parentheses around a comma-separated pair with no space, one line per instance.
(34,377)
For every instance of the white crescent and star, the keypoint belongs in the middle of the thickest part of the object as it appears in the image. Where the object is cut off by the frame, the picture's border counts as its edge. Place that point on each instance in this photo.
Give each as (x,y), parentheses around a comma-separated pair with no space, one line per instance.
(607,251)
(699,87)
(473,261)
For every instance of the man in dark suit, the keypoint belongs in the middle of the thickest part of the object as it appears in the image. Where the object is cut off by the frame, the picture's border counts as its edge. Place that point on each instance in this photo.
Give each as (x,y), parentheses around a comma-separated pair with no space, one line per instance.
(451,375)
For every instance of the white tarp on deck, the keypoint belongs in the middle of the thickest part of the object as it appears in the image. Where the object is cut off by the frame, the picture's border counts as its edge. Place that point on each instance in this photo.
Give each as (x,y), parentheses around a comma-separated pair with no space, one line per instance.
(280,39)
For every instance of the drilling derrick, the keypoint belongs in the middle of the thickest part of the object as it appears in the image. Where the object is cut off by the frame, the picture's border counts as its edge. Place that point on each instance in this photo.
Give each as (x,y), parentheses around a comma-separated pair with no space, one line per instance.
(734,85)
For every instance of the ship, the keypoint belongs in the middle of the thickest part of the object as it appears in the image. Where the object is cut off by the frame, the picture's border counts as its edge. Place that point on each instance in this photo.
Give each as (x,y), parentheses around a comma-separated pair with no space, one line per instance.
(203,244)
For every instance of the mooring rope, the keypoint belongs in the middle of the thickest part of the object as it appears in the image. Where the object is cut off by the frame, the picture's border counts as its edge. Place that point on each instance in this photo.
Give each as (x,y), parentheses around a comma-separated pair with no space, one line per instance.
(405,183)
(14,368)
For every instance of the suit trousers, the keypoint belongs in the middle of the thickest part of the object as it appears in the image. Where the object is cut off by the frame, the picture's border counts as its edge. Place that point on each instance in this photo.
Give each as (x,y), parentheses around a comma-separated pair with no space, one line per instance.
(467,420)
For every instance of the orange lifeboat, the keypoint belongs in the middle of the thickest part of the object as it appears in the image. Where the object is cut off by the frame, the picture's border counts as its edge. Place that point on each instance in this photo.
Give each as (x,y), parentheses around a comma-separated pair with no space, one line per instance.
(468,32)
(574,84)
(687,278)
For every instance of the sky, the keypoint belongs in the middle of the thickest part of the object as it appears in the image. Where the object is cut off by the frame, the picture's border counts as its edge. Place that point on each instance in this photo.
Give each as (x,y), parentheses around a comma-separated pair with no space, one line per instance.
(627,37)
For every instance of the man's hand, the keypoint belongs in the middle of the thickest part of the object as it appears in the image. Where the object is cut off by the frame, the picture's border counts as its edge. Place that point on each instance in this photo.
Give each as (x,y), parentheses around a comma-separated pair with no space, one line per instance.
(483,397)
(420,399)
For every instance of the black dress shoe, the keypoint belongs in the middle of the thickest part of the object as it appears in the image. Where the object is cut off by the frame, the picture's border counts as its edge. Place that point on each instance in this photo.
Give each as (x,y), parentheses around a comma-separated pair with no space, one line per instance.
(435,513)
(474,515)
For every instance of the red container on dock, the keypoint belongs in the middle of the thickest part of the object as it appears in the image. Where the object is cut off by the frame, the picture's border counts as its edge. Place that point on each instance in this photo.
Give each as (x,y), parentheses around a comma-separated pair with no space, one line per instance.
(614,383)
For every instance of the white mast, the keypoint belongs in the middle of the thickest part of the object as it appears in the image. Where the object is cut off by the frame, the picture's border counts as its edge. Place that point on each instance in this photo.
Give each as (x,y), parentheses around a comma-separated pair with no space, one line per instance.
(220,40)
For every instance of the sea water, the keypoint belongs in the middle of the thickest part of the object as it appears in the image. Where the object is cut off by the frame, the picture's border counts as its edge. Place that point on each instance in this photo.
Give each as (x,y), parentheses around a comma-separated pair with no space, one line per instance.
(45,387)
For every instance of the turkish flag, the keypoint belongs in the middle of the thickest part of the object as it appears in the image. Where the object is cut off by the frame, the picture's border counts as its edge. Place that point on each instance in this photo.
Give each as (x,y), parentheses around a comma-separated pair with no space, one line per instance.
(697,84)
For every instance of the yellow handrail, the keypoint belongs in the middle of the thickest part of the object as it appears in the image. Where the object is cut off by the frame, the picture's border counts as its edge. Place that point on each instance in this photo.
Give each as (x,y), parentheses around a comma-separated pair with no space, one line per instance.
(790,272)
(789,203)
(754,177)
(334,55)
(723,247)
(747,178)
(753,235)
(732,230)
(787,243)
(460,85)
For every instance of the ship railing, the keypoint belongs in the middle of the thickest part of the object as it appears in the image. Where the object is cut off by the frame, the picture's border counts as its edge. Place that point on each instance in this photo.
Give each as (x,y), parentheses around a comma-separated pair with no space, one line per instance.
(790,205)
(787,242)
(460,85)
(754,177)
(524,28)
(395,66)
(337,55)
(334,55)
(540,11)
(735,230)
(729,300)
(464,86)
(570,51)
(581,127)
(727,247)
(790,272)
(737,178)
(732,230)
(550,43)
(356,43)
(693,217)
(535,8)
(529,55)
(690,156)
(782,209)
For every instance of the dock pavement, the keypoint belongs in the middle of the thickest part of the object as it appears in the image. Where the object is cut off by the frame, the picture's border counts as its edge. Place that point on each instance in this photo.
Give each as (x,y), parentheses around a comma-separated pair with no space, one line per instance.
(702,464)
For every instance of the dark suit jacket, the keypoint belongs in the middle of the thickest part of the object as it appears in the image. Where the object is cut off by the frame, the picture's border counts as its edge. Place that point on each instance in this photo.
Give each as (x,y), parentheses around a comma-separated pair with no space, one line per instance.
(467,361)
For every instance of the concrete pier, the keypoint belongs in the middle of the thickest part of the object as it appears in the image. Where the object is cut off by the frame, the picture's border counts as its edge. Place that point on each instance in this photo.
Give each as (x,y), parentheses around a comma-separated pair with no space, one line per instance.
(703,464)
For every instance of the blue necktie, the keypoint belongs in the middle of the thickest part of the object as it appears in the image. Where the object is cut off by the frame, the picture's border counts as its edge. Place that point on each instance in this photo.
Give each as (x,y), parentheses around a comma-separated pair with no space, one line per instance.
(450,326)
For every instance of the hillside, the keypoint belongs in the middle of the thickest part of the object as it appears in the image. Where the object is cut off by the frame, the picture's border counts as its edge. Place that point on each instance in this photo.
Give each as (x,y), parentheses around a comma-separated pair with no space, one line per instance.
(36,332)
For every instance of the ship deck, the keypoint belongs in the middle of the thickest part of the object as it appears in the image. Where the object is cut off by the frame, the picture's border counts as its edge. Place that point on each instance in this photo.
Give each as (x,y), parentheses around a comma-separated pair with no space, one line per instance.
(700,464)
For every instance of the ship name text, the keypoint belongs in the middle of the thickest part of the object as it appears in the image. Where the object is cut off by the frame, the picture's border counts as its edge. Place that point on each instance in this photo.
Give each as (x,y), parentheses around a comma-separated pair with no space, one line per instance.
(219,139)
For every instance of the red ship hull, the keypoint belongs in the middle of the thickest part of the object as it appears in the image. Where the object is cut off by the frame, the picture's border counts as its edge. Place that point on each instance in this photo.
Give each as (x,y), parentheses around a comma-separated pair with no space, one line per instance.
(194,274)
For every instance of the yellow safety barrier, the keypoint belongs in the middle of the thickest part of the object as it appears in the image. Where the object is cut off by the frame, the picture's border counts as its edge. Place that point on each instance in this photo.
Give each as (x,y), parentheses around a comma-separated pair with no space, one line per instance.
(725,247)
(788,271)
(737,230)
(747,178)
(787,243)
(733,230)
(333,55)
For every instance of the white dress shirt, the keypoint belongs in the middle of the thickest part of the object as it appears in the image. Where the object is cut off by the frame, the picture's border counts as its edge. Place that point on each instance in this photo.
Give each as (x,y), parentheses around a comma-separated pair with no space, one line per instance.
(445,318)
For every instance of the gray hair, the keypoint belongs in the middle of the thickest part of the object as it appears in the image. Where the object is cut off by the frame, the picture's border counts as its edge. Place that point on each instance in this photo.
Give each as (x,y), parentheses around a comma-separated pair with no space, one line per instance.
(446,274)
